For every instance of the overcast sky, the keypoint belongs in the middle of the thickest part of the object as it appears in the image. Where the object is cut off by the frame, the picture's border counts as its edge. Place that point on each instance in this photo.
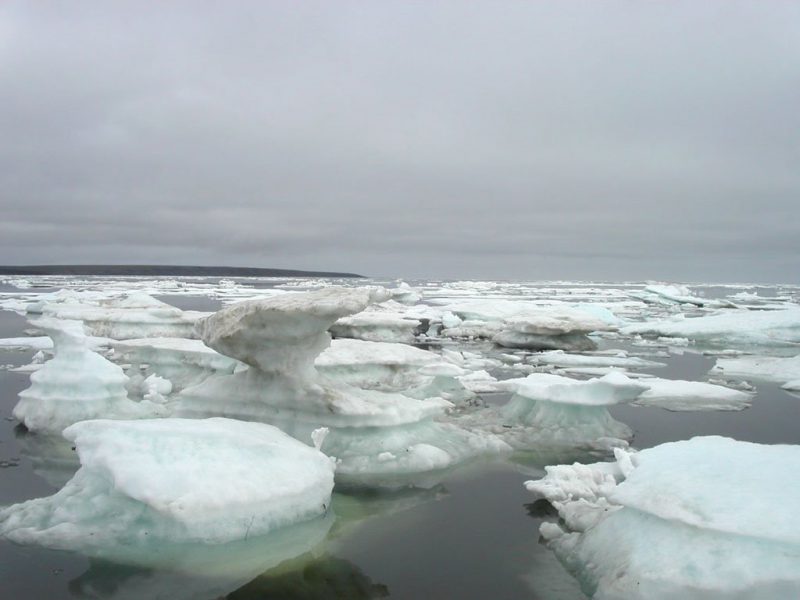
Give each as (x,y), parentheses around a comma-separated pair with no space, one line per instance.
(602,140)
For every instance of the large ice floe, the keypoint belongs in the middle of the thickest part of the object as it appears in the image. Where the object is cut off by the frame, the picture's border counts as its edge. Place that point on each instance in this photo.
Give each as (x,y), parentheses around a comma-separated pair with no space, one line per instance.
(179,480)
(678,294)
(522,324)
(373,434)
(383,322)
(621,360)
(392,367)
(768,368)
(184,362)
(710,517)
(555,413)
(550,329)
(76,384)
(738,327)
(136,315)
(681,395)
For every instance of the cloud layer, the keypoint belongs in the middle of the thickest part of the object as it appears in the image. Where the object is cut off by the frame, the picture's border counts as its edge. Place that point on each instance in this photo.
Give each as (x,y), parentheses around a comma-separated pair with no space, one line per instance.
(610,140)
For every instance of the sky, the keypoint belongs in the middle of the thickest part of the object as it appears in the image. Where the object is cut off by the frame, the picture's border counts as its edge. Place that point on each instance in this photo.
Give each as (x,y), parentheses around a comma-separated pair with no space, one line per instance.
(613,140)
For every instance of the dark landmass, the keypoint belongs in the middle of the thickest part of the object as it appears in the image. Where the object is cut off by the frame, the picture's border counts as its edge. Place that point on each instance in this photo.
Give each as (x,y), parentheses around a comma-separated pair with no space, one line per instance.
(163,270)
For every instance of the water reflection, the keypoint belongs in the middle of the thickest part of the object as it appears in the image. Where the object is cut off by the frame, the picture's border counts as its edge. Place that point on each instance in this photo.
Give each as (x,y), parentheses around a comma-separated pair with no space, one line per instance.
(196,571)
(52,457)
(541,509)
(327,577)
(292,562)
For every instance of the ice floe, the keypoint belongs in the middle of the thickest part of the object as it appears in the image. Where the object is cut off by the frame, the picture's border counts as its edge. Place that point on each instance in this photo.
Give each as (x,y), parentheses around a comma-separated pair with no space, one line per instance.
(559,358)
(41,342)
(525,324)
(705,518)
(136,315)
(184,362)
(372,433)
(792,386)
(385,322)
(768,368)
(550,329)
(175,480)
(554,412)
(393,367)
(742,327)
(680,395)
(76,384)
(679,294)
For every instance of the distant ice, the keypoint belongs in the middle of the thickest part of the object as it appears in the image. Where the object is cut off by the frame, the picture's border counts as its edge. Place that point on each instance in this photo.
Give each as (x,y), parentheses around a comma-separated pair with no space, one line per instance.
(742,327)
(562,359)
(136,315)
(675,293)
(548,329)
(41,342)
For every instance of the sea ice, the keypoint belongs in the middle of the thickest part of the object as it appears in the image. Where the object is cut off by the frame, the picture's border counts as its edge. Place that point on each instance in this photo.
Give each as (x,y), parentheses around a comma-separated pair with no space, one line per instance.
(384,322)
(392,367)
(555,412)
(550,329)
(614,388)
(769,368)
(175,480)
(679,395)
(135,316)
(373,434)
(705,518)
(75,385)
(41,342)
(740,327)
(559,358)
(525,324)
(183,361)
(679,294)
(792,386)
(405,294)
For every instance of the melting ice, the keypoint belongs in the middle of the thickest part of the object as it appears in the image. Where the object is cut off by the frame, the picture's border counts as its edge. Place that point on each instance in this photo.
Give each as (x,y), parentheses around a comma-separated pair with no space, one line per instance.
(196,429)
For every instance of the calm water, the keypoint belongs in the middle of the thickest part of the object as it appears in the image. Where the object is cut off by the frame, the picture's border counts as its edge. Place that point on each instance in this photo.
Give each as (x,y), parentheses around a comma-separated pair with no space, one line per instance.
(473,536)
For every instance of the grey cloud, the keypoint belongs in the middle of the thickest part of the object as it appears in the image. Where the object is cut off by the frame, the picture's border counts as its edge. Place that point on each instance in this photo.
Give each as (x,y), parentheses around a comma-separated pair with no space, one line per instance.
(599,140)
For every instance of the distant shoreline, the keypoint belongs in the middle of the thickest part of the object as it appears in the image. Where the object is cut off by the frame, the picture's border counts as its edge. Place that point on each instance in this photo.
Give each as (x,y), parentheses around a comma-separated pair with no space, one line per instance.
(164,270)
